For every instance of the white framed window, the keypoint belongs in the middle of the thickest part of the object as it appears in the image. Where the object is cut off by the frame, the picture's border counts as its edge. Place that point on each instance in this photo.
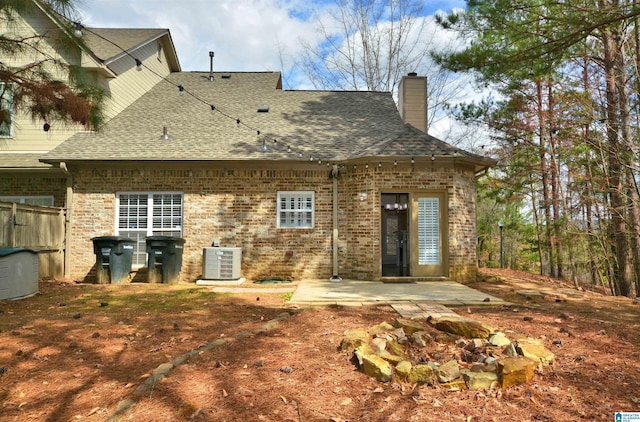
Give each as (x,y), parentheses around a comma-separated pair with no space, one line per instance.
(6,110)
(42,200)
(296,209)
(142,214)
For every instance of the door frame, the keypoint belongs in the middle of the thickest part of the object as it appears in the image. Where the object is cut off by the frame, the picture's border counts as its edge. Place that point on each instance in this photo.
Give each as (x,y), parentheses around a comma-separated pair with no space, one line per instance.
(441,269)
(403,213)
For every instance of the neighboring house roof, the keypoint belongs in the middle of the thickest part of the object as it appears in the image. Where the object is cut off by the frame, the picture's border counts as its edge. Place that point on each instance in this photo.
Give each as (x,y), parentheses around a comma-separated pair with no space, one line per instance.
(127,39)
(326,125)
(121,41)
(110,44)
(9,161)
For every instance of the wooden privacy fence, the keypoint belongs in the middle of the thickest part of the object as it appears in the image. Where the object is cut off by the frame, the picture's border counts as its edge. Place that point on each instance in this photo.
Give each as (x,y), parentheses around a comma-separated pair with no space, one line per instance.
(38,228)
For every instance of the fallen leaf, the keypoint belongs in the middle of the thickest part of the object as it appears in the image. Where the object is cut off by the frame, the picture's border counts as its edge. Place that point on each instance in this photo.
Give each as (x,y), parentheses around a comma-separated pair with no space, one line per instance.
(128,385)
(379,390)
(346,402)
(94,410)
(224,393)
(284,399)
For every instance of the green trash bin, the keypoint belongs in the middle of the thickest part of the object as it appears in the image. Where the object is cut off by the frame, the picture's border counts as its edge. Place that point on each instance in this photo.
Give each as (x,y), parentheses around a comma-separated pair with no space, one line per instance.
(114,256)
(164,258)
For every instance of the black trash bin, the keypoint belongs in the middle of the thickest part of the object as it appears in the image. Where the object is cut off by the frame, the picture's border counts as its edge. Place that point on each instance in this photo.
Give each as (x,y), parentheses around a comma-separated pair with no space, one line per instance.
(114,255)
(165,258)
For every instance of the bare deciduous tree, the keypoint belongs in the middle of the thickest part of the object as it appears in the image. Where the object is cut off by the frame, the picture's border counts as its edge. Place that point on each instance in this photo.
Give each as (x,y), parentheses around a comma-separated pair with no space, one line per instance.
(371,44)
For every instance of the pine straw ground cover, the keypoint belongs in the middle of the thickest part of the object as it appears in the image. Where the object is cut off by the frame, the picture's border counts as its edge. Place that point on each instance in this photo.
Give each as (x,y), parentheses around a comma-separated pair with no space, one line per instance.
(75,352)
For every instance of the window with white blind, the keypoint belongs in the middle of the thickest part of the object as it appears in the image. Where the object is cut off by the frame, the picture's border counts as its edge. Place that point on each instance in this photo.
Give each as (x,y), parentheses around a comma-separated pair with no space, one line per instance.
(296,209)
(6,110)
(428,231)
(148,214)
(43,200)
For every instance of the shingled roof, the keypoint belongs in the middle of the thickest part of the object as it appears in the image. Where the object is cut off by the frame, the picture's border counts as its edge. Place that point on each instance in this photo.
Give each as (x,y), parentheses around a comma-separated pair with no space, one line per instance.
(121,39)
(325,125)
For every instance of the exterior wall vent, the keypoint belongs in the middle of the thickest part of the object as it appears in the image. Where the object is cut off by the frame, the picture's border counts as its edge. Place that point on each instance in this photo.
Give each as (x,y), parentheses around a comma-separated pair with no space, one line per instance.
(226,76)
(263,109)
(221,263)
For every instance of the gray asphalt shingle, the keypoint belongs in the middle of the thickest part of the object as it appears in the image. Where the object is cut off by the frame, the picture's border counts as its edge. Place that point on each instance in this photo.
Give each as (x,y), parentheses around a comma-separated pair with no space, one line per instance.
(326,125)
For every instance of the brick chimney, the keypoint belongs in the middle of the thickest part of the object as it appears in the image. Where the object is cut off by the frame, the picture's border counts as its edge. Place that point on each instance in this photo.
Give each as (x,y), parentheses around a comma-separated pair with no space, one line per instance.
(412,100)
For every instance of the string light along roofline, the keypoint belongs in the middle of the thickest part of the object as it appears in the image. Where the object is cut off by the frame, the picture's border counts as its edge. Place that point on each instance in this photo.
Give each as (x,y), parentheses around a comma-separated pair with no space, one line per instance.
(182,90)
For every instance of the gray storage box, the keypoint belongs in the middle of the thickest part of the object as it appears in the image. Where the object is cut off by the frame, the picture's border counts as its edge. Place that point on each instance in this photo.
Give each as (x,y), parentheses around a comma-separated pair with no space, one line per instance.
(18,273)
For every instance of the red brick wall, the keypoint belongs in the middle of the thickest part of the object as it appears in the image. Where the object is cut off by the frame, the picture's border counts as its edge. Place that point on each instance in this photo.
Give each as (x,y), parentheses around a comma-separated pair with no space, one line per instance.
(34,185)
(238,206)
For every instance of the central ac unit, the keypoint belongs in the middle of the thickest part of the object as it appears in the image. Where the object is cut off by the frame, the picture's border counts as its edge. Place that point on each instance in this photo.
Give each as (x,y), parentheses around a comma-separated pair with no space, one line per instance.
(221,263)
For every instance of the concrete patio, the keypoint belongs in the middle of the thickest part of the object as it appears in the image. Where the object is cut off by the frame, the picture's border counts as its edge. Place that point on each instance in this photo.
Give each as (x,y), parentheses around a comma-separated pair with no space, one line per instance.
(359,293)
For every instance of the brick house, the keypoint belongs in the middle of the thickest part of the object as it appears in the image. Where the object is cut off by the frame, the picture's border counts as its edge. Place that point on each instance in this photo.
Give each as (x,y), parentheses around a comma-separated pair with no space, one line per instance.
(310,184)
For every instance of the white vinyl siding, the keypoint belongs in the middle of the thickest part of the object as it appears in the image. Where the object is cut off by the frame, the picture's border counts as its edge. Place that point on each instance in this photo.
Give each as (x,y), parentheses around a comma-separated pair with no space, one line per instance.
(7,114)
(428,231)
(44,200)
(296,209)
(148,214)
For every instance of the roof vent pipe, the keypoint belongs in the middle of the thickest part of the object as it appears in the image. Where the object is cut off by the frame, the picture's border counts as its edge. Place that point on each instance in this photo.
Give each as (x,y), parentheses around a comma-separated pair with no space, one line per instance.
(211,66)
(165,134)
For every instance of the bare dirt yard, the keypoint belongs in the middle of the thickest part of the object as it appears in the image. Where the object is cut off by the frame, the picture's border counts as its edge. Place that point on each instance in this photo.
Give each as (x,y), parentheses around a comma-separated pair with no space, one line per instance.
(94,353)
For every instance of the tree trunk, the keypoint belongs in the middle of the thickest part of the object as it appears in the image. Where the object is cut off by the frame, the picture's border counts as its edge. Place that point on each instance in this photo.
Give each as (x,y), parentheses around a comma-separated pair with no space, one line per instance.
(544,169)
(621,267)
(554,182)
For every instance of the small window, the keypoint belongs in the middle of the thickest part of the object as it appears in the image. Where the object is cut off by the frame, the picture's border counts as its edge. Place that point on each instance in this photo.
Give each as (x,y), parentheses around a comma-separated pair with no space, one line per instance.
(6,110)
(296,209)
(148,214)
(44,200)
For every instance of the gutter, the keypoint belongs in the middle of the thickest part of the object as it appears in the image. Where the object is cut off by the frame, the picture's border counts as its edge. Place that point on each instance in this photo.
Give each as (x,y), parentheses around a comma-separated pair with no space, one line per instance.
(68,202)
(334,175)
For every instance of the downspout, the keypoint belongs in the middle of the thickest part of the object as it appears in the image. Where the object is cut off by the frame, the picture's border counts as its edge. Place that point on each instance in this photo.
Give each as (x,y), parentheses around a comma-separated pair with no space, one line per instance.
(334,175)
(67,220)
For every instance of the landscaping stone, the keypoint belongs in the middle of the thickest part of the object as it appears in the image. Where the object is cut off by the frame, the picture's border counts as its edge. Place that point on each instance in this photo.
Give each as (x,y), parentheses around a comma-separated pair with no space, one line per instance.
(421,374)
(400,335)
(455,385)
(465,327)
(409,326)
(377,368)
(481,363)
(479,380)
(499,339)
(514,371)
(395,348)
(448,371)
(361,351)
(354,338)
(383,327)
(535,350)
(379,345)
(403,369)
(421,338)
